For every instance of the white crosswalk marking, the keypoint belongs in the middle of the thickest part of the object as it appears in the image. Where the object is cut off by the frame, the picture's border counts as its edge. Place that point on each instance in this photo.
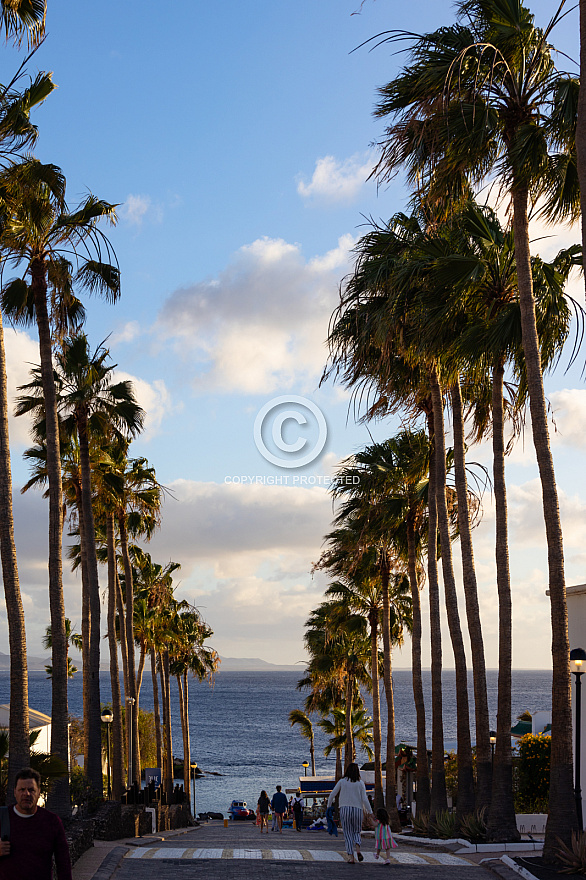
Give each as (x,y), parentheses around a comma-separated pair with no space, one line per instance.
(316,855)
(324,855)
(246,854)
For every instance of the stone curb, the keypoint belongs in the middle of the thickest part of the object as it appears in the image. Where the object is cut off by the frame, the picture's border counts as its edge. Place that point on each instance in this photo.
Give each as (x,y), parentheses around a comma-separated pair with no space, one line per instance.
(467,847)
(510,863)
(109,863)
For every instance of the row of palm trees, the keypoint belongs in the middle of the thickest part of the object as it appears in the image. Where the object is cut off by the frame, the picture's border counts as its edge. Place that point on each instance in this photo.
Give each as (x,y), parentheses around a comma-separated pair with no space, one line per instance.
(83,422)
(446,307)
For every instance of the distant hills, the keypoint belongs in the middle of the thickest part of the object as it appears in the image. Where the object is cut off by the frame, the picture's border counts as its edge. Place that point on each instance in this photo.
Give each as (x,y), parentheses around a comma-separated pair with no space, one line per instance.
(255,664)
(35,664)
(229,664)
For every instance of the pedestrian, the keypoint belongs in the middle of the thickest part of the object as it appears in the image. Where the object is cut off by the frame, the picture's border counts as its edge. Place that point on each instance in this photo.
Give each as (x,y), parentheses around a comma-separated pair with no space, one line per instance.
(279,805)
(332,828)
(383,836)
(36,835)
(353,803)
(298,804)
(264,806)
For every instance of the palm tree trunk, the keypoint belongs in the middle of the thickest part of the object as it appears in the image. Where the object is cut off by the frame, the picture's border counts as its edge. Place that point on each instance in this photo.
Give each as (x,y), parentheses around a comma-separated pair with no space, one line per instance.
(140,672)
(94,767)
(186,742)
(156,709)
(117,738)
(349,744)
(483,750)
(85,627)
(339,770)
(502,825)
(122,632)
(134,771)
(312,753)
(465,803)
(168,737)
(376,734)
(58,799)
(562,818)
(19,752)
(391,776)
(439,796)
(422,771)
(165,769)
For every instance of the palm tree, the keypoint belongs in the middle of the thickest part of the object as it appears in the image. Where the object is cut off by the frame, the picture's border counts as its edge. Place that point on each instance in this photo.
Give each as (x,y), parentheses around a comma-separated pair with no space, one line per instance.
(90,405)
(16,132)
(73,638)
(297,716)
(335,728)
(38,228)
(479,96)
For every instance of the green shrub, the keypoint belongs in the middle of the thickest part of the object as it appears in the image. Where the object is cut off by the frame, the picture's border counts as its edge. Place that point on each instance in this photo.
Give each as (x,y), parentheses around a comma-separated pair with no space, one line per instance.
(532,773)
(444,825)
(473,826)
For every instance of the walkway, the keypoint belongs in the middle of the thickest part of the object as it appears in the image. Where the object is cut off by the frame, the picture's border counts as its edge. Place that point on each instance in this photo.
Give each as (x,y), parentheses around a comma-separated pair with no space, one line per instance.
(212,852)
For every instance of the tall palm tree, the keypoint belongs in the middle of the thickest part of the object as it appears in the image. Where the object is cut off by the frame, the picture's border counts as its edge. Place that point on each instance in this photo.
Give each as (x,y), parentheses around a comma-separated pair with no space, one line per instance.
(24,19)
(38,229)
(479,96)
(297,716)
(90,405)
(334,725)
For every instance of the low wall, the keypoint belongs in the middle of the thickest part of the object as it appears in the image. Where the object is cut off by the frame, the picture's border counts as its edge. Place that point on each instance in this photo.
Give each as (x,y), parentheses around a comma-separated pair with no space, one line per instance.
(80,837)
(114,821)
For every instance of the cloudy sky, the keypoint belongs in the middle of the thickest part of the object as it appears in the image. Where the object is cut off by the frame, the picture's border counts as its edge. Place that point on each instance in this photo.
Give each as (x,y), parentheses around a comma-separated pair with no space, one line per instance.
(236,138)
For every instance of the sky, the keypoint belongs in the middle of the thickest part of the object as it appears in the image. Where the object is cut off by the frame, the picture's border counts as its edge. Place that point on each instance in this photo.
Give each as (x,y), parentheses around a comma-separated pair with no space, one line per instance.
(236,138)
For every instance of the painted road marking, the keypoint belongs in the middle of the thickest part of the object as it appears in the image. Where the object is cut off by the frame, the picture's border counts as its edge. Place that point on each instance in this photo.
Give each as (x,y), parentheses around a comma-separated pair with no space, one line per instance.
(308,855)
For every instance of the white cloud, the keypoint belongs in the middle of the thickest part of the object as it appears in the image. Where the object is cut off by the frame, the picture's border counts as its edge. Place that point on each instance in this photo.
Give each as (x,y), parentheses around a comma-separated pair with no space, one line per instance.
(128,332)
(135,209)
(22,353)
(336,180)
(153,397)
(569,414)
(262,323)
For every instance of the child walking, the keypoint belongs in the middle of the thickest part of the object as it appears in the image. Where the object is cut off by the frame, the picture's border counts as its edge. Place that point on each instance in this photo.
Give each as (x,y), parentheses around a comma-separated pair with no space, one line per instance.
(383,837)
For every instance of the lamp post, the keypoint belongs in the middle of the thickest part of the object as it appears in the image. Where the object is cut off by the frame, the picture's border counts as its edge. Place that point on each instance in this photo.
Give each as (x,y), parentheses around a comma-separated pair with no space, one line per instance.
(577,664)
(107,719)
(130,720)
(492,743)
(305,765)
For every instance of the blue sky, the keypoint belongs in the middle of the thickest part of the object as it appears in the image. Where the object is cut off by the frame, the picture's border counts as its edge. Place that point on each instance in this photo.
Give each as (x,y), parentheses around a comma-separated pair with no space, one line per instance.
(236,139)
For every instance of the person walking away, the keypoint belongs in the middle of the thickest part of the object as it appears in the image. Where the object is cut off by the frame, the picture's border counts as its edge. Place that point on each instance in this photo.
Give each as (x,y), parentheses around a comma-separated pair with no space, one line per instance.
(353,803)
(279,805)
(36,836)
(264,806)
(298,804)
(383,836)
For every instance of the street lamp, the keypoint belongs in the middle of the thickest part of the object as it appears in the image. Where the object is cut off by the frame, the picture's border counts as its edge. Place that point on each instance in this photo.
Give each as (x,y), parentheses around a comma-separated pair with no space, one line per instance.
(107,719)
(578,667)
(194,768)
(130,720)
(492,743)
(305,765)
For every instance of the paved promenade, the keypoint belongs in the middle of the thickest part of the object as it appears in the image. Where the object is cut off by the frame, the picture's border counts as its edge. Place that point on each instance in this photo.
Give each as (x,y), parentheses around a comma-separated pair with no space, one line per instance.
(213,852)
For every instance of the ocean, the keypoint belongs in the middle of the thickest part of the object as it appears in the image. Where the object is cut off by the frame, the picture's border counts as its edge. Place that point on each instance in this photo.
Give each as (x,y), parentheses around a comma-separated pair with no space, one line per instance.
(239,726)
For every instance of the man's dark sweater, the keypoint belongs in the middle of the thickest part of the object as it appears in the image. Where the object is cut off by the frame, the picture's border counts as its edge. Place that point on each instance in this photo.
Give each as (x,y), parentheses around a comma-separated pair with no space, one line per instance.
(33,842)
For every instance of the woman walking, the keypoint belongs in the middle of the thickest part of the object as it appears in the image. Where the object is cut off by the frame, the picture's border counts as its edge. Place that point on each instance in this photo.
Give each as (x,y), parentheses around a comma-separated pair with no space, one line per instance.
(353,804)
(264,805)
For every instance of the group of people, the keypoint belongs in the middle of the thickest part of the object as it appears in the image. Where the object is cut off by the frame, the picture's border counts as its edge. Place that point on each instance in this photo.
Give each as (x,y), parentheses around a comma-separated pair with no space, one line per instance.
(353,804)
(280,806)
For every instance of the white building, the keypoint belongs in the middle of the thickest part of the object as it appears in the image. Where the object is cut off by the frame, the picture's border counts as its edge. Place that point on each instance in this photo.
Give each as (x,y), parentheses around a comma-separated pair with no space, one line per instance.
(36,721)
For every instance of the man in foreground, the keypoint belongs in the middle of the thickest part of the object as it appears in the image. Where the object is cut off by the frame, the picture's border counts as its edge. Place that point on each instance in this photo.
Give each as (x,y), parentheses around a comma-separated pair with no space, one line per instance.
(36,835)
(279,805)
